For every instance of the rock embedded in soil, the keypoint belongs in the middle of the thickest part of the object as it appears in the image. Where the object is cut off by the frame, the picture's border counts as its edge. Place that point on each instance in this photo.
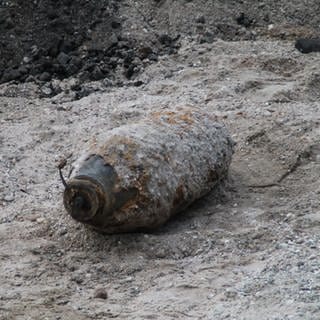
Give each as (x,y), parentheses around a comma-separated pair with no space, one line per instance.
(63,59)
(201,19)
(207,37)
(308,45)
(9,197)
(100,293)
(10,74)
(244,20)
(145,52)
(45,76)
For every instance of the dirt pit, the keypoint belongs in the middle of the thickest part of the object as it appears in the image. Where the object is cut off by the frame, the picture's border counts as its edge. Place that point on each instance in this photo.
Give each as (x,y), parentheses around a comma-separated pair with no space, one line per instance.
(248,250)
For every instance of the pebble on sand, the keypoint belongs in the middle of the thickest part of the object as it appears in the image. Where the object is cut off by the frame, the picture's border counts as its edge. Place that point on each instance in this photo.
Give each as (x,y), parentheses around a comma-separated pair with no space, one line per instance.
(100,293)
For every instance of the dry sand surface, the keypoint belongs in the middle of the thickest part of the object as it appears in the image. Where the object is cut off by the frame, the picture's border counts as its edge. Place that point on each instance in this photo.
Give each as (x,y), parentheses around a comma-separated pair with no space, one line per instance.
(248,250)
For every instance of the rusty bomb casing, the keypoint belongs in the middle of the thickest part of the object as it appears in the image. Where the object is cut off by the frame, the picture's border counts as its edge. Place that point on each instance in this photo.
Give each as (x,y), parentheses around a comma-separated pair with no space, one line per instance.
(139,175)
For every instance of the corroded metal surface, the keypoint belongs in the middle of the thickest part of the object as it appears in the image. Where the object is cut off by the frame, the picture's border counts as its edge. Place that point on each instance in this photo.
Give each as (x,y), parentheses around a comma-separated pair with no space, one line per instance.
(139,175)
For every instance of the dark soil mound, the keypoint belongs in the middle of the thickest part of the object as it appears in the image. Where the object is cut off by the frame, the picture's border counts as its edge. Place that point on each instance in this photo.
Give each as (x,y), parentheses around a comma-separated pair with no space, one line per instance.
(45,39)
(59,38)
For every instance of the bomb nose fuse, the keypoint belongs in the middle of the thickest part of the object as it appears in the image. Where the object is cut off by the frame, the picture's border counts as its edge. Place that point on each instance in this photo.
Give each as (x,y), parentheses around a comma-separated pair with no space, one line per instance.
(139,175)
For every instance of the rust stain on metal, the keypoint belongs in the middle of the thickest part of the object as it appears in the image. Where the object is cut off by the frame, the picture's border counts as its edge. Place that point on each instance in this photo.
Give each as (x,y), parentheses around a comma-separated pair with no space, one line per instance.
(144,173)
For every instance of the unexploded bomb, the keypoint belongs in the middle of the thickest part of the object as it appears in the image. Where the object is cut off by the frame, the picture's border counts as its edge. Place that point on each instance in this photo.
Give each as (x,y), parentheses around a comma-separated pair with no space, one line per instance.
(139,175)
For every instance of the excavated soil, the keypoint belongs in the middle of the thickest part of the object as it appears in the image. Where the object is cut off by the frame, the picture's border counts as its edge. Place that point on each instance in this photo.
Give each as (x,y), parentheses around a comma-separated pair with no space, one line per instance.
(249,249)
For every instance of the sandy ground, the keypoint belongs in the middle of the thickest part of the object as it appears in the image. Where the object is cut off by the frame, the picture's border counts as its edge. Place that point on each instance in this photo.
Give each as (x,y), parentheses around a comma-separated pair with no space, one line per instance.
(249,250)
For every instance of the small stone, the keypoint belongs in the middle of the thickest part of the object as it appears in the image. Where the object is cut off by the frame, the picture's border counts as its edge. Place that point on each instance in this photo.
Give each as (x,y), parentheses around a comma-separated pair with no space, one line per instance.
(46,90)
(35,51)
(128,279)
(115,24)
(130,71)
(153,57)
(23,70)
(144,52)
(77,278)
(26,59)
(134,291)
(138,83)
(244,20)
(9,197)
(100,293)
(76,61)
(300,263)
(107,82)
(30,79)
(207,37)
(63,58)
(97,74)
(10,74)
(114,61)
(201,19)
(63,232)
(307,45)
(165,39)
(45,76)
